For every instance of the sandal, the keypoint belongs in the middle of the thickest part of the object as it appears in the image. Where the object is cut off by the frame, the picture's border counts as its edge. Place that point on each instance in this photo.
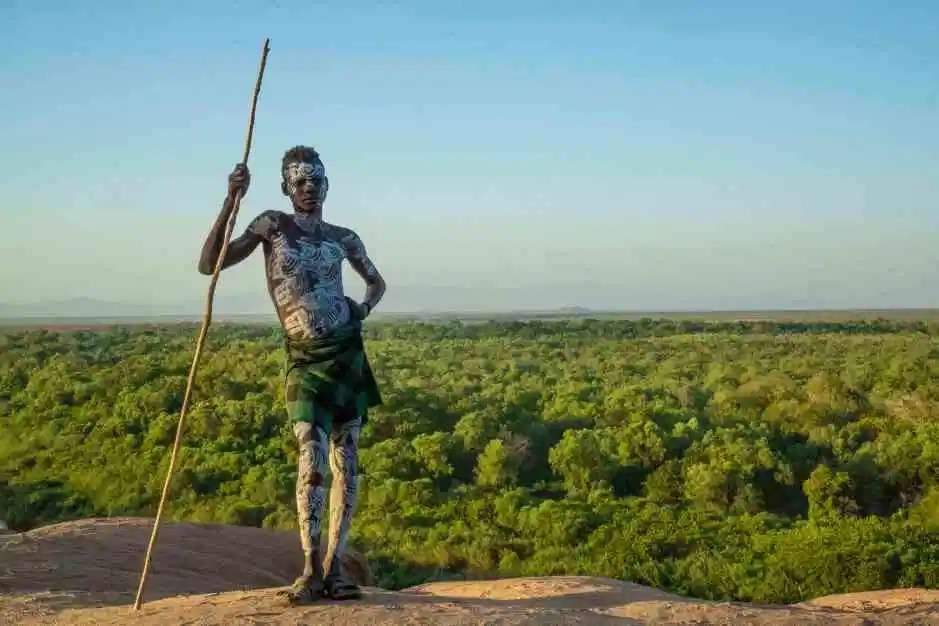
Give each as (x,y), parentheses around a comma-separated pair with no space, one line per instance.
(305,590)
(339,589)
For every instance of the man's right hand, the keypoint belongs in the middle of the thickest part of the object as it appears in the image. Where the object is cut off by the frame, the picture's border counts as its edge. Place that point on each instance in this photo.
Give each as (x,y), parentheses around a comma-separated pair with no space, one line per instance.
(239,181)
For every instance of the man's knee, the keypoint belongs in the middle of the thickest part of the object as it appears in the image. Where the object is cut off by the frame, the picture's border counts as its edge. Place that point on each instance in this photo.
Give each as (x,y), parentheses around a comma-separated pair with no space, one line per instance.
(343,458)
(314,448)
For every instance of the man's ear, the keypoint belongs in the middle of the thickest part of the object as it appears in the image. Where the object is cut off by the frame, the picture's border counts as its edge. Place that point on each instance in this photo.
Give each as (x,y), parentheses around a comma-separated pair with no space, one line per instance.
(283,187)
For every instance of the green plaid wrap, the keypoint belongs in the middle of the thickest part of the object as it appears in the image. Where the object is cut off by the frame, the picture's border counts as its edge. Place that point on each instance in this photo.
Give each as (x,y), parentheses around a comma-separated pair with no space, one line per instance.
(329,379)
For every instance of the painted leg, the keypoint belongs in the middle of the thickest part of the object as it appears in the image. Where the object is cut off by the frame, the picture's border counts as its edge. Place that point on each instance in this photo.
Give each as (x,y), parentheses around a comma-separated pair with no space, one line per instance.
(344,462)
(311,500)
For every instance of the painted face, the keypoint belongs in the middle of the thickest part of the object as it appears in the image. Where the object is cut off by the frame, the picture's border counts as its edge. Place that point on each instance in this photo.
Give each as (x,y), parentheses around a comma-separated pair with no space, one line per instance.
(306,184)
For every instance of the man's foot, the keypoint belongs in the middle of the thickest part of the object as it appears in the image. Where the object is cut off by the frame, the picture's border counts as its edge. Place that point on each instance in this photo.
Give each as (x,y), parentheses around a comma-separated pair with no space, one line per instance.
(338,588)
(305,590)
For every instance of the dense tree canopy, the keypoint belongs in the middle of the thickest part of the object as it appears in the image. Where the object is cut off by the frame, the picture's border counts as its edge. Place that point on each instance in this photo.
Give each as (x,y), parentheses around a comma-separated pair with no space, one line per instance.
(762,461)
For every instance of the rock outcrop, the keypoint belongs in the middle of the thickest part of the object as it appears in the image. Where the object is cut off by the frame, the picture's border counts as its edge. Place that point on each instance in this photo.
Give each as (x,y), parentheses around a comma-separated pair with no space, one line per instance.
(86,572)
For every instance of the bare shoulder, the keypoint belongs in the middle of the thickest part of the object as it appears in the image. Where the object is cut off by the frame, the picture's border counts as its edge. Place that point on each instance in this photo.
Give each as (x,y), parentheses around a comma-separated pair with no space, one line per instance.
(338,231)
(355,252)
(272,214)
(266,223)
(344,235)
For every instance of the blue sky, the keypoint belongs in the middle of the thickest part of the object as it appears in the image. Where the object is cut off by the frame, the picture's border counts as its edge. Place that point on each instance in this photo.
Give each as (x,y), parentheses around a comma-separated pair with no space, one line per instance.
(492,155)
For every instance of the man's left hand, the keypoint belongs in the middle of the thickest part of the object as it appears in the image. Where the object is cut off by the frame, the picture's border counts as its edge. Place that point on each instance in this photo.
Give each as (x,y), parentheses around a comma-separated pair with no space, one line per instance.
(360,310)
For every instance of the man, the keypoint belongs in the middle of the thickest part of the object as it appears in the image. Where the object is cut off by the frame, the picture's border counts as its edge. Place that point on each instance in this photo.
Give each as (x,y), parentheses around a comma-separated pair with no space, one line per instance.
(329,385)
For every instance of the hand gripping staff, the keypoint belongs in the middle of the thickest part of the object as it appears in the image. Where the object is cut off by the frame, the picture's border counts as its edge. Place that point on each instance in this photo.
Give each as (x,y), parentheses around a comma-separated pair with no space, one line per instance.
(207,318)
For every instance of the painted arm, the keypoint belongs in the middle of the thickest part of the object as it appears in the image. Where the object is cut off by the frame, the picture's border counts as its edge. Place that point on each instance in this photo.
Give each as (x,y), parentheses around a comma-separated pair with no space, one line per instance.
(239,248)
(364,267)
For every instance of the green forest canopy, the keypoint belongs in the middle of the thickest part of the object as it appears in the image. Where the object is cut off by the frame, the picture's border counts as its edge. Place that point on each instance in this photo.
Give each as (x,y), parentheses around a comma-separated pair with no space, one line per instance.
(764,461)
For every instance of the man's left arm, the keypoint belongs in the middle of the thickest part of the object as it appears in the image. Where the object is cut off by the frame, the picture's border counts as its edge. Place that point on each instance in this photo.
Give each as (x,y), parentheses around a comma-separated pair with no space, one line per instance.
(364,267)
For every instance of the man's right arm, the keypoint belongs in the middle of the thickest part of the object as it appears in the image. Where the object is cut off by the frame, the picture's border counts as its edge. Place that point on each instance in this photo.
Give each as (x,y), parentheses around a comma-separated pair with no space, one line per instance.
(239,248)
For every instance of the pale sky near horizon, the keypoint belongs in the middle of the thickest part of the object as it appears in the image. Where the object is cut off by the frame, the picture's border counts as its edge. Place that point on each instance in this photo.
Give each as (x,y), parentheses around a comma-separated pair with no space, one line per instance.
(610,154)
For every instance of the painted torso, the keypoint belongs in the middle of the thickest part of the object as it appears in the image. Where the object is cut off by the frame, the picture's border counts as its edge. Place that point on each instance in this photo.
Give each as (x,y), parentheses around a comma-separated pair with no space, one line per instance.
(304,272)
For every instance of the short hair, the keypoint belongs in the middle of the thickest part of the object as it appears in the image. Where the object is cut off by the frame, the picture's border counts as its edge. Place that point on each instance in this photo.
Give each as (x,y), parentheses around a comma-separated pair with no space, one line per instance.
(298,154)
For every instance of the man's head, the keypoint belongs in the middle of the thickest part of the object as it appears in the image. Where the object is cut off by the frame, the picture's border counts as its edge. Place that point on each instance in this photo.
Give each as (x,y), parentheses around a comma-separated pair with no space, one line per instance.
(304,179)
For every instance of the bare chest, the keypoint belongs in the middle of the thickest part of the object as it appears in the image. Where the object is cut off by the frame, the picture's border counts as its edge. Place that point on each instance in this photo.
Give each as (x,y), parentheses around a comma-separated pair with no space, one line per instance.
(318,258)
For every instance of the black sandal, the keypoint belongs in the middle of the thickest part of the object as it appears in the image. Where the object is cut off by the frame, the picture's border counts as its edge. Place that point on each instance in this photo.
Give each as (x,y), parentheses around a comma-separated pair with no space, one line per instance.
(337,588)
(305,590)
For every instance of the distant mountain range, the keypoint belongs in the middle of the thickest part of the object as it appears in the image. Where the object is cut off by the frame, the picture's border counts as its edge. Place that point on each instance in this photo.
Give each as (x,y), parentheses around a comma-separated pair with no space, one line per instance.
(410,300)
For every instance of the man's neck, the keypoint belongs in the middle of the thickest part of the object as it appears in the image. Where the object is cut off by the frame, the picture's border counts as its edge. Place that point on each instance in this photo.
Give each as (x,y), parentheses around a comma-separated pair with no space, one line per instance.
(307,219)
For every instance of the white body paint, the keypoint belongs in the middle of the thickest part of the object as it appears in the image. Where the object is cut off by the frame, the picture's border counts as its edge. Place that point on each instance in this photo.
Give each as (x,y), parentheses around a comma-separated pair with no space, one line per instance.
(304,272)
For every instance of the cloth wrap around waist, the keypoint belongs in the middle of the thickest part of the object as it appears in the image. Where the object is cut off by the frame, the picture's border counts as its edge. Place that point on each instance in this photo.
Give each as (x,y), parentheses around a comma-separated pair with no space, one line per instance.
(329,379)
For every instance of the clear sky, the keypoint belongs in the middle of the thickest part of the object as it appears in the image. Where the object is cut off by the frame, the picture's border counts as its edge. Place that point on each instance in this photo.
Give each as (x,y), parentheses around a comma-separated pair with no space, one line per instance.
(511,154)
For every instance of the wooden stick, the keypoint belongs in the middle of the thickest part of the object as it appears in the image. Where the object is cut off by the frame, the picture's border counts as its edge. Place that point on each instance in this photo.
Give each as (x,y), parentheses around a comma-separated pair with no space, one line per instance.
(207,319)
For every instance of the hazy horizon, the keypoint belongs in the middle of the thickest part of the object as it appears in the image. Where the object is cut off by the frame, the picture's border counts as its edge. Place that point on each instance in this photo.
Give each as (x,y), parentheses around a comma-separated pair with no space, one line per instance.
(494,156)
(227,306)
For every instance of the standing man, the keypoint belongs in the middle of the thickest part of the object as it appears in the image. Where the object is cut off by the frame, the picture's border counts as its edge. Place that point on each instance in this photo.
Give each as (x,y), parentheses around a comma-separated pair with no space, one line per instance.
(329,385)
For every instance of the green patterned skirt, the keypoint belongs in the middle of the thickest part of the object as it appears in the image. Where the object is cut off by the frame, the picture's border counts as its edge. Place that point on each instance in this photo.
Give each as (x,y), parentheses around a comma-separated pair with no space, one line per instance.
(329,380)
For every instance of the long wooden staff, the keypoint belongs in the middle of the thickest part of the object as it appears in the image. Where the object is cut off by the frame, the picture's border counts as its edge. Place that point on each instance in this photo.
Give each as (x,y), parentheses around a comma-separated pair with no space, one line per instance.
(207,319)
